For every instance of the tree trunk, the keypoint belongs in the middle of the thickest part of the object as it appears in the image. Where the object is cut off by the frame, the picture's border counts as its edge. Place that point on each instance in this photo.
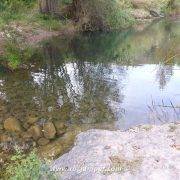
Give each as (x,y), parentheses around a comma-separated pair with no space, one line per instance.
(49,6)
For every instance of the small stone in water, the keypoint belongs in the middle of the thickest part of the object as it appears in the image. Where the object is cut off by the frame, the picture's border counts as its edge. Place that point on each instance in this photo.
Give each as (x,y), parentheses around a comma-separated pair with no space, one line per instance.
(12,125)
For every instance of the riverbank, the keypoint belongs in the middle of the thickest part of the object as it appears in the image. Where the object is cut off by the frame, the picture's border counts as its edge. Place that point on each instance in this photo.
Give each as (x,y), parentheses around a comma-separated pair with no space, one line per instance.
(144,152)
(35,27)
(33,36)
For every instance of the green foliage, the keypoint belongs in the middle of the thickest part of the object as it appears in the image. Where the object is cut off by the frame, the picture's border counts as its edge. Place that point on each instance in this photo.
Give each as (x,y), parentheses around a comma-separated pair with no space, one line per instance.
(66,1)
(26,12)
(48,21)
(16,51)
(104,14)
(15,55)
(117,14)
(15,5)
(28,167)
(12,9)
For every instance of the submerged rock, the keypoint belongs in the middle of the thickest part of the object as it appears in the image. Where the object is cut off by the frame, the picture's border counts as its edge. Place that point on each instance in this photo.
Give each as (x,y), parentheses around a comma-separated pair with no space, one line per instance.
(35,132)
(60,145)
(49,130)
(32,120)
(5,138)
(43,141)
(26,135)
(12,125)
(51,150)
(144,152)
(60,127)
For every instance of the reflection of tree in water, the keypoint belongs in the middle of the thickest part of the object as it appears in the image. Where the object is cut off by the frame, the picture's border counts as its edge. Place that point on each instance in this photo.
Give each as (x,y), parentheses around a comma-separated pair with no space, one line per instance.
(166,53)
(66,85)
(68,91)
(98,89)
(86,88)
(163,75)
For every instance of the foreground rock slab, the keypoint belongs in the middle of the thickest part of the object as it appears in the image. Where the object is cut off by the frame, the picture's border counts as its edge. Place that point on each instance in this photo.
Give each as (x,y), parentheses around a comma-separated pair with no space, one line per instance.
(144,152)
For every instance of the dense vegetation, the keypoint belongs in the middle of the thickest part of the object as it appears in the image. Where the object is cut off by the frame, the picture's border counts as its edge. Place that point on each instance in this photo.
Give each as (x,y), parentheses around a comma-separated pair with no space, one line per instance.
(89,15)
(20,19)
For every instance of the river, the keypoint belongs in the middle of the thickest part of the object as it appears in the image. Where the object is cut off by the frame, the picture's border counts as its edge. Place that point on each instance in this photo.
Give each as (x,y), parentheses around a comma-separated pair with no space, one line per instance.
(96,80)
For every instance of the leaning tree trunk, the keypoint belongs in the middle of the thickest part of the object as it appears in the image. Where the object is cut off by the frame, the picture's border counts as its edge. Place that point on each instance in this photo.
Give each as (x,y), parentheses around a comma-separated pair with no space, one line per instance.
(49,6)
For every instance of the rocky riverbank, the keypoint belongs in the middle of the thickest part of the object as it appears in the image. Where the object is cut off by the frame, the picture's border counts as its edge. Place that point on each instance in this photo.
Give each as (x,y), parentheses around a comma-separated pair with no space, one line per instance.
(144,152)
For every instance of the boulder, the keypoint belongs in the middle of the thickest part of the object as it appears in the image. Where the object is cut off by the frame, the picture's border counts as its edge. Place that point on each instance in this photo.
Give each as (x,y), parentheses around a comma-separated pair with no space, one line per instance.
(35,131)
(12,125)
(51,150)
(59,145)
(60,127)
(143,152)
(49,130)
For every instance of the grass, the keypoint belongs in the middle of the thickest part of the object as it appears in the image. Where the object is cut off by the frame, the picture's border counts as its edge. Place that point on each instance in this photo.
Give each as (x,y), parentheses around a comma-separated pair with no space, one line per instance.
(17,14)
(28,15)
(16,50)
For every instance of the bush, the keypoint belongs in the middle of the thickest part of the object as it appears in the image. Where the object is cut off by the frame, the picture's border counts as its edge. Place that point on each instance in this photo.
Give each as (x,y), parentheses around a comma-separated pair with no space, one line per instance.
(15,5)
(103,14)
(117,17)
(12,9)
(28,167)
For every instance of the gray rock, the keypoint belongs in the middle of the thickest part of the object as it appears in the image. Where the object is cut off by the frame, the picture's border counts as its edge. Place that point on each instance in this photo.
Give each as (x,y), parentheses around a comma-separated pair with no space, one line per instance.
(144,152)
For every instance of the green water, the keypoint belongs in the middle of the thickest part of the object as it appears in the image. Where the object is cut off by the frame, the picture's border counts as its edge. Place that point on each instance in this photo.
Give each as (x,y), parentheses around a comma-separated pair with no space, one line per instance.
(97,80)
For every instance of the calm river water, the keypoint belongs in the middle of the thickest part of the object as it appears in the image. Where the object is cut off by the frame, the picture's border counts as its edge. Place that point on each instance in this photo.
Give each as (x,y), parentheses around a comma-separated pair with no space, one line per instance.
(105,80)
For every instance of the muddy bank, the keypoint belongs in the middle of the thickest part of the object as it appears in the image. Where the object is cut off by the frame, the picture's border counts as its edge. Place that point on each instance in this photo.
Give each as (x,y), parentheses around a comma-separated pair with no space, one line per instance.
(144,152)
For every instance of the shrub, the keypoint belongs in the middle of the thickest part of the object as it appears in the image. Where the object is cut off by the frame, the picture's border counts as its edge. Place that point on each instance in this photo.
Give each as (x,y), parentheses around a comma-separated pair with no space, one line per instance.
(28,167)
(103,14)
(12,9)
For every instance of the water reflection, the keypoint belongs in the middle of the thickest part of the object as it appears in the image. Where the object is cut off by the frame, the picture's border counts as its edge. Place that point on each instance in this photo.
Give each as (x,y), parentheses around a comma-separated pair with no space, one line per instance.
(99,78)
